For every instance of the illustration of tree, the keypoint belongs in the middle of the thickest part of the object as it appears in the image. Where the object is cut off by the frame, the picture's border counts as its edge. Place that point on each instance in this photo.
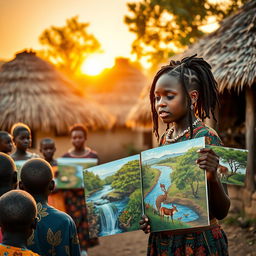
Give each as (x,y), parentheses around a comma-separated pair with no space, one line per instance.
(68,46)
(92,181)
(132,213)
(187,172)
(236,159)
(127,179)
(163,27)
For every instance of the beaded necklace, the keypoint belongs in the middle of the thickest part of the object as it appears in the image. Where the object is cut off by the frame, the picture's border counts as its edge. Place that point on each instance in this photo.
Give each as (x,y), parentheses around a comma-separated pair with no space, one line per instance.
(171,130)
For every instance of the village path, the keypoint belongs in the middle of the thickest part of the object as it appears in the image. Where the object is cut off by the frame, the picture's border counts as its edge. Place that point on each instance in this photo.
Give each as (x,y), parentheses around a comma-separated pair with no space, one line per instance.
(242,242)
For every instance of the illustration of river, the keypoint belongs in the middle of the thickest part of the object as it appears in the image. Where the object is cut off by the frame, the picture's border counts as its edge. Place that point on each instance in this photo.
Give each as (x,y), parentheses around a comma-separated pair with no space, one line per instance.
(156,191)
(109,211)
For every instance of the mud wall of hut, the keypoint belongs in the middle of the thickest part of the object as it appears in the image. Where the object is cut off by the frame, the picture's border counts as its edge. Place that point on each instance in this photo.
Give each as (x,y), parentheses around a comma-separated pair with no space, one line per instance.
(110,145)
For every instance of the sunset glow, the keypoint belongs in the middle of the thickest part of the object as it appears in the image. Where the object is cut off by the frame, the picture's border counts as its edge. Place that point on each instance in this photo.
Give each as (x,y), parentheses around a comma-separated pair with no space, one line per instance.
(95,64)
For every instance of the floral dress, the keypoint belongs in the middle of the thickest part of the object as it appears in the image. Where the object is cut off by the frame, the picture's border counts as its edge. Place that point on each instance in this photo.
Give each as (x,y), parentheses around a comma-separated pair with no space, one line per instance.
(205,241)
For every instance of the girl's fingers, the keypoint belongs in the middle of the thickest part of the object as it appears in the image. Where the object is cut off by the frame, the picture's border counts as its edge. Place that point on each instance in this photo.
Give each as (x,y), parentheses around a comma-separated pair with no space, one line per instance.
(206,150)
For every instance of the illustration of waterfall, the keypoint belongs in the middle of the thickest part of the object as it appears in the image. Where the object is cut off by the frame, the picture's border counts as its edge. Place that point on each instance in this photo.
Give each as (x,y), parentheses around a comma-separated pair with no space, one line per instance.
(108,211)
(108,219)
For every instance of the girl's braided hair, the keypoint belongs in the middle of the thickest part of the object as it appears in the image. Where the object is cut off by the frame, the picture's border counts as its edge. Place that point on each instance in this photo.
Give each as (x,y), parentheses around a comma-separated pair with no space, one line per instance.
(193,73)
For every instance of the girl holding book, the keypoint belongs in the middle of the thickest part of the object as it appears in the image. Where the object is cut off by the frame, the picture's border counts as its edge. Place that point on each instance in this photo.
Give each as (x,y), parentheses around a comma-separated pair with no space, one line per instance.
(183,94)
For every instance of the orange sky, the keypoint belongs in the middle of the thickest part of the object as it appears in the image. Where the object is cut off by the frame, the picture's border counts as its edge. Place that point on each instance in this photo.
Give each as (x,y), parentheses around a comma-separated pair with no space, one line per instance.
(22,21)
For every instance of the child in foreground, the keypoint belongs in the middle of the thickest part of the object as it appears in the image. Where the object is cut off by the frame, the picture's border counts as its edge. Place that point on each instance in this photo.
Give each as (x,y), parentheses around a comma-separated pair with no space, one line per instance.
(8,177)
(47,148)
(6,144)
(17,219)
(56,232)
(22,139)
(182,95)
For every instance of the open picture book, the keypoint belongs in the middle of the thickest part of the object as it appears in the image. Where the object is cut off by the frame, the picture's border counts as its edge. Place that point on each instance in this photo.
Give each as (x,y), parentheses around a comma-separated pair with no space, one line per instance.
(165,183)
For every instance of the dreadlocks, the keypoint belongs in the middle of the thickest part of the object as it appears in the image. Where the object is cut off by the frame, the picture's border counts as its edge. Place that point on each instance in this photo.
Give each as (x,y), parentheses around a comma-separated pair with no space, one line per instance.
(193,73)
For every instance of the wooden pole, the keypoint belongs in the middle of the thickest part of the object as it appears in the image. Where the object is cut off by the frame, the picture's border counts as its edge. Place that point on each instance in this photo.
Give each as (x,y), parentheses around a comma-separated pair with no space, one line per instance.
(250,124)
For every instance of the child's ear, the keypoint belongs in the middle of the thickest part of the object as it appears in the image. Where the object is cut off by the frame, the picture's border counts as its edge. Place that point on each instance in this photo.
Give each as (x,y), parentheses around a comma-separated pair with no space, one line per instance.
(194,96)
(34,223)
(52,185)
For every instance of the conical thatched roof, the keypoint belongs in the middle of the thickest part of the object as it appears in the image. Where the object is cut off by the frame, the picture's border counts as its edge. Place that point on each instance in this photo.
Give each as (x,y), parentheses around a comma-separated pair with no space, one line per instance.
(33,92)
(231,51)
(126,82)
(140,114)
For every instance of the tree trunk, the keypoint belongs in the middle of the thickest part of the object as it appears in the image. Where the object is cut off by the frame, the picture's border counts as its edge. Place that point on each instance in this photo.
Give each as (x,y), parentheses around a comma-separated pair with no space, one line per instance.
(251,136)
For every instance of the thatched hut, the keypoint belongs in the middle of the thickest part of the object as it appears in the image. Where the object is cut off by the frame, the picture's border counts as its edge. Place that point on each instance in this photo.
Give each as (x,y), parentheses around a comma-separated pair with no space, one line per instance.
(33,92)
(123,84)
(231,51)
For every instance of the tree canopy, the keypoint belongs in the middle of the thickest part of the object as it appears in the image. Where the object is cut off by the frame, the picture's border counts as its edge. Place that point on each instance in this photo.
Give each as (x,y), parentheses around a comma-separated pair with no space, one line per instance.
(187,173)
(164,26)
(127,179)
(68,46)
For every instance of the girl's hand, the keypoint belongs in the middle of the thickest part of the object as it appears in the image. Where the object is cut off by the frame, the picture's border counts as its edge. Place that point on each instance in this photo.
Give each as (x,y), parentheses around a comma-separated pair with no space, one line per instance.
(208,161)
(144,224)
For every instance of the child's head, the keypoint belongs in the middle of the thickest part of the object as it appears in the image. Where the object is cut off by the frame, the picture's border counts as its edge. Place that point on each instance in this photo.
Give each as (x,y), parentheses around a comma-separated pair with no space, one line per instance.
(78,134)
(36,177)
(18,213)
(21,136)
(47,148)
(8,174)
(5,142)
(183,89)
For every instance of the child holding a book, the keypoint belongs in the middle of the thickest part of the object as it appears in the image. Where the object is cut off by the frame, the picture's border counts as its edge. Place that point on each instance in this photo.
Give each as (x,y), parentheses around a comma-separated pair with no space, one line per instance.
(183,94)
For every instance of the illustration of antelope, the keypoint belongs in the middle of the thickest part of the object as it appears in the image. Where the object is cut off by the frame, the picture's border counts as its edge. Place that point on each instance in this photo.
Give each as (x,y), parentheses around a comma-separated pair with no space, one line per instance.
(168,212)
(222,171)
(160,199)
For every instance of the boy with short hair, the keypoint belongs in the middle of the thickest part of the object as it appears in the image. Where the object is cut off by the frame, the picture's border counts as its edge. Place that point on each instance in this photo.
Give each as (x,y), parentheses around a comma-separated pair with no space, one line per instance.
(8,176)
(48,148)
(56,232)
(17,219)
(6,144)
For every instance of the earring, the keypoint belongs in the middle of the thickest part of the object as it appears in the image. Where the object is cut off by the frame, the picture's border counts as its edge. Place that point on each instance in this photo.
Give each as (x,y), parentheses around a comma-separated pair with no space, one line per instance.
(192,107)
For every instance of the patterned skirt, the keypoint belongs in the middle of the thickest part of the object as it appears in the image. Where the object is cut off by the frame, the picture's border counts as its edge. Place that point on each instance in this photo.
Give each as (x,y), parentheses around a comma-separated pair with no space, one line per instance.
(209,242)
(76,208)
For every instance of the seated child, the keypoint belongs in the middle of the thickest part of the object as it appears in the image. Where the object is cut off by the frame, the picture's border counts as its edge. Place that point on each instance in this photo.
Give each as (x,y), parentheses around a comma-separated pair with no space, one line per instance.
(8,176)
(5,142)
(56,232)
(22,140)
(47,148)
(17,219)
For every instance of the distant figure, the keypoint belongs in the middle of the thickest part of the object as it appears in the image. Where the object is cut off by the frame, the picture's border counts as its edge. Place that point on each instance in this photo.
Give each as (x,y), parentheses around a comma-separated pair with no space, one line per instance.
(6,143)
(22,139)
(8,176)
(56,232)
(17,219)
(75,201)
(47,148)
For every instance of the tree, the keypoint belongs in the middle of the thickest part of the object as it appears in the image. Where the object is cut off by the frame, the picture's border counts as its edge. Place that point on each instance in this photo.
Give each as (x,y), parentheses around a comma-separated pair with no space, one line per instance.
(187,172)
(236,159)
(127,178)
(68,46)
(164,26)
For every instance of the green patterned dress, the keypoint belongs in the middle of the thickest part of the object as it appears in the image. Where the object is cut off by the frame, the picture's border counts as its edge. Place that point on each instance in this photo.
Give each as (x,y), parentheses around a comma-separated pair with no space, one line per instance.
(206,241)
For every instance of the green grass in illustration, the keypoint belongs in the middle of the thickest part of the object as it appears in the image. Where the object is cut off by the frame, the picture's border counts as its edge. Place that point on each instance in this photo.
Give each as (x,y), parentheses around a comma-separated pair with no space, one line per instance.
(67,177)
(158,223)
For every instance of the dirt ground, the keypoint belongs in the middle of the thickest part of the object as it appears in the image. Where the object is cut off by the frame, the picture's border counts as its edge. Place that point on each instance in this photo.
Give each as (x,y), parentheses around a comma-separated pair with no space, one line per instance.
(242,242)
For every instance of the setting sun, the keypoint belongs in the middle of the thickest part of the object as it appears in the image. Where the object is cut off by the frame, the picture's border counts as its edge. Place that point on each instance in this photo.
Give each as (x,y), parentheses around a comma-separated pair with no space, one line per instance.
(95,64)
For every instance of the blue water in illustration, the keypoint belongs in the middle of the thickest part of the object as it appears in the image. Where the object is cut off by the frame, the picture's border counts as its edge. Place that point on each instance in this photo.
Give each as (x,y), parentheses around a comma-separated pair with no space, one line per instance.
(109,211)
(165,179)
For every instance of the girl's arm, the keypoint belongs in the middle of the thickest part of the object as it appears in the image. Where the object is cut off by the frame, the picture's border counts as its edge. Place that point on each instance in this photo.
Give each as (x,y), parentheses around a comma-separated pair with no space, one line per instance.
(219,201)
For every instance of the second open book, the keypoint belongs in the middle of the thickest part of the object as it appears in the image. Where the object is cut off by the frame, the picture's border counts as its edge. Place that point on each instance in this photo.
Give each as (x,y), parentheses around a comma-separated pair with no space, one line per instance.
(164,183)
